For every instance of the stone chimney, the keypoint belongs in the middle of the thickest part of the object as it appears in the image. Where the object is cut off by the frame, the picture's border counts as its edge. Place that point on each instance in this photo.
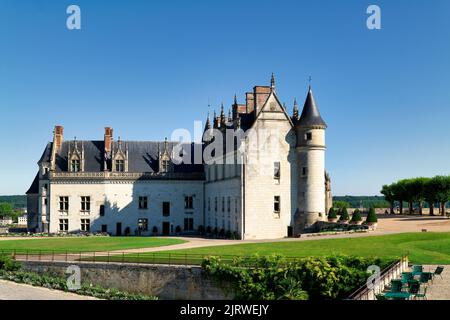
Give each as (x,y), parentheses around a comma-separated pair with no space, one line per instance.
(108,140)
(58,137)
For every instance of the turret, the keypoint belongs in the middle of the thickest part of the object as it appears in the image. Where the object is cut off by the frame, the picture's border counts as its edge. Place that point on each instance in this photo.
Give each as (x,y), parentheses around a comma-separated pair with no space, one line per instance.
(310,129)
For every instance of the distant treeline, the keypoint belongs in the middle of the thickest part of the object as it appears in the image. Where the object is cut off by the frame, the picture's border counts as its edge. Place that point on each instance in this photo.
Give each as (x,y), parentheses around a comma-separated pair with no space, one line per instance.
(18,202)
(362,201)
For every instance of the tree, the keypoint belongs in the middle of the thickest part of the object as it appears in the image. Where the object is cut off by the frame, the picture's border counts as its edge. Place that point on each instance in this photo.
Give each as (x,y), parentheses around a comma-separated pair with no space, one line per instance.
(332,213)
(441,187)
(398,190)
(341,204)
(356,217)
(6,210)
(372,216)
(344,215)
(430,195)
(388,193)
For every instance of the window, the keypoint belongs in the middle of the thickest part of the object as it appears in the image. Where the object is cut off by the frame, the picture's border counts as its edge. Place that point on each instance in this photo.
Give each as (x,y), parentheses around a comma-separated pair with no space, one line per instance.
(209,204)
(304,171)
(75,166)
(45,170)
(188,224)
(308,136)
(102,210)
(276,170)
(166,209)
(143,203)
(85,225)
(63,225)
(229,204)
(223,204)
(143,224)
(189,202)
(235,205)
(120,166)
(85,204)
(276,204)
(45,201)
(165,166)
(215,204)
(63,204)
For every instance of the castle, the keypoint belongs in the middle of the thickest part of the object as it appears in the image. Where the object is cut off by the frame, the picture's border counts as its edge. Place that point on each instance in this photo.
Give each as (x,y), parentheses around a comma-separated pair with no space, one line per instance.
(258,173)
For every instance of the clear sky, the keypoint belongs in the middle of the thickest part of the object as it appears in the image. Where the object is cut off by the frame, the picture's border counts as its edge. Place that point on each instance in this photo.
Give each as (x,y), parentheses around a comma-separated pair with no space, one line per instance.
(148,67)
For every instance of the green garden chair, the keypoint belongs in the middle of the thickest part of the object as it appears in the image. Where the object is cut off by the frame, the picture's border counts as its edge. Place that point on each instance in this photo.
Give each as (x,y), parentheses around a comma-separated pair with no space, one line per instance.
(425,277)
(406,276)
(421,295)
(417,270)
(396,285)
(438,272)
(413,287)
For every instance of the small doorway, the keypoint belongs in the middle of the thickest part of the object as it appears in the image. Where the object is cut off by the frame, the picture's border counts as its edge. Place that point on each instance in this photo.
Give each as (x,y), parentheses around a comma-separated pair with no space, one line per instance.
(166,228)
(290,232)
(119,229)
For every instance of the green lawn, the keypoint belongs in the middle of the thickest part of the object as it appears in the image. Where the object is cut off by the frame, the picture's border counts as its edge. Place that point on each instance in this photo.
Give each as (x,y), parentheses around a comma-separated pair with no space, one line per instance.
(423,248)
(84,244)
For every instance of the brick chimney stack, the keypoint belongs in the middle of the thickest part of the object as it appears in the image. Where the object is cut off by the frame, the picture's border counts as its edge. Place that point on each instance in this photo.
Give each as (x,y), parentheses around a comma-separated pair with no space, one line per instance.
(108,140)
(58,137)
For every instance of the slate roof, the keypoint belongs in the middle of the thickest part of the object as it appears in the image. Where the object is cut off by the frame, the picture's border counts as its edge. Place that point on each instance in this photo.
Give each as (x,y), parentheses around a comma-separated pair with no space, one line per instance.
(310,114)
(34,188)
(142,156)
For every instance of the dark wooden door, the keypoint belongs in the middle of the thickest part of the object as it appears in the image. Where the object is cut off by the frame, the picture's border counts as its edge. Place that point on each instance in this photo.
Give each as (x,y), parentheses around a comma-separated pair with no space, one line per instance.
(119,229)
(166,228)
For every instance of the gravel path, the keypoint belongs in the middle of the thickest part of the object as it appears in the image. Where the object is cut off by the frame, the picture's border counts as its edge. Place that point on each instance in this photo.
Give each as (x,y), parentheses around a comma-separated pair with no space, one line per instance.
(17,291)
(439,289)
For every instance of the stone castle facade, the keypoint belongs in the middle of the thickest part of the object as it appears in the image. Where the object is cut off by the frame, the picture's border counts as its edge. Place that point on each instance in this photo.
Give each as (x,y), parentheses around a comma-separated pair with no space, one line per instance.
(258,173)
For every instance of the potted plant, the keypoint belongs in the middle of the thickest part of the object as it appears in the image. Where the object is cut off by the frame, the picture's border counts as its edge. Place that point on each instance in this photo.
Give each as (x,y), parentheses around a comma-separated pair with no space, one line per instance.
(344,218)
(372,220)
(332,215)
(356,217)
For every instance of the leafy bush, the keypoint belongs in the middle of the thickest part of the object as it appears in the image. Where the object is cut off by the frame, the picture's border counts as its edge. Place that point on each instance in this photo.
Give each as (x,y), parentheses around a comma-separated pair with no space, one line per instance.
(59,283)
(332,213)
(275,277)
(208,230)
(222,233)
(8,264)
(372,216)
(228,234)
(178,229)
(155,229)
(344,215)
(356,217)
(201,229)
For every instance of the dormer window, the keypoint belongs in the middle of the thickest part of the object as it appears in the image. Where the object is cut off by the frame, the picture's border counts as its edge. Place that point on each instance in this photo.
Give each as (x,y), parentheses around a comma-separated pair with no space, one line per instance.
(75,165)
(120,165)
(165,166)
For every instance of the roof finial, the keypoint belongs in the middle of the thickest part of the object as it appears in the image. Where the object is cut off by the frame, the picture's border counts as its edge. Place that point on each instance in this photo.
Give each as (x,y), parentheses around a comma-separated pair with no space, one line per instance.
(222,116)
(272,82)
(208,123)
(310,79)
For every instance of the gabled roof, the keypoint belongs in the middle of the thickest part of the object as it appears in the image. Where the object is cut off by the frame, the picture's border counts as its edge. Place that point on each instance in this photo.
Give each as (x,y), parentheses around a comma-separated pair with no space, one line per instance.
(47,154)
(310,114)
(34,188)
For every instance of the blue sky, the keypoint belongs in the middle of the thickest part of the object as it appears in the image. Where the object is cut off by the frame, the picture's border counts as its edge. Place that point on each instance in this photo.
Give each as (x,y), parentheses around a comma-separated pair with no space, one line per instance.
(148,67)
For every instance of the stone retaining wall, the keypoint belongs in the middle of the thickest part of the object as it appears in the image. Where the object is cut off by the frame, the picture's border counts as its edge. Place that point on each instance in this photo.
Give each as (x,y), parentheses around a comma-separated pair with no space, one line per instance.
(165,282)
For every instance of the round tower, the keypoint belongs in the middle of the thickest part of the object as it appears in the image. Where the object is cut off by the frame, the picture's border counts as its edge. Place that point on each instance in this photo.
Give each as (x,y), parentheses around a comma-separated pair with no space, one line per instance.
(310,129)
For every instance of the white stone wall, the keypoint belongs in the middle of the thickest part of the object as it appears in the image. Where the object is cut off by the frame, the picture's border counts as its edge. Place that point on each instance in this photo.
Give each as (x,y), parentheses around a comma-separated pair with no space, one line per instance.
(122,204)
(261,222)
(312,184)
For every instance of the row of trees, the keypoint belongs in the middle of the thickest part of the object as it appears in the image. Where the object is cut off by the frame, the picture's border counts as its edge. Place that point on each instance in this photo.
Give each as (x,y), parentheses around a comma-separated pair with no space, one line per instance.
(434,191)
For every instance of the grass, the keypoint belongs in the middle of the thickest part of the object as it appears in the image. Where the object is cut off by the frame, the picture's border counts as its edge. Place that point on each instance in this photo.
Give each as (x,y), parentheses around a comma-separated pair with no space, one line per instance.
(86,244)
(422,248)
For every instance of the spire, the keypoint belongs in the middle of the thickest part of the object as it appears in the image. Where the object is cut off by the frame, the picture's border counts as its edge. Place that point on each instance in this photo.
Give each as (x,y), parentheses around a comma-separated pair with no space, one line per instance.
(230,119)
(310,115)
(235,99)
(208,123)
(272,82)
(222,116)
(295,113)
(216,120)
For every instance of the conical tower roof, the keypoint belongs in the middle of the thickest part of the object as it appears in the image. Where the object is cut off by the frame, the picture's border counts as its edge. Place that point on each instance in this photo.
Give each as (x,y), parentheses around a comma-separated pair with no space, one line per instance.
(310,115)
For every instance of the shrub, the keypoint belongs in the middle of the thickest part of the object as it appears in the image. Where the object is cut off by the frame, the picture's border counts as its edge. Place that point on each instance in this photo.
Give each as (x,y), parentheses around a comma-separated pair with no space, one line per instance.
(178,229)
(344,215)
(222,233)
(208,230)
(372,216)
(228,234)
(155,229)
(356,217)
(8,264)
(201,229)
(332,213)
(216,231)
(275,277)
